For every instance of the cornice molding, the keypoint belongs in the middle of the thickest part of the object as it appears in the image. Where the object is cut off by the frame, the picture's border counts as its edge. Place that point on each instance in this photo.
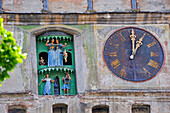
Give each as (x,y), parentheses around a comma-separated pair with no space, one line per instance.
(86,18)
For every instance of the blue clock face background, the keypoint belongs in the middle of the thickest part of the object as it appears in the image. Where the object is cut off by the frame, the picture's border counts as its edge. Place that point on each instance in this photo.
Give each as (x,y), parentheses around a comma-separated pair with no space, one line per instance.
(147,62)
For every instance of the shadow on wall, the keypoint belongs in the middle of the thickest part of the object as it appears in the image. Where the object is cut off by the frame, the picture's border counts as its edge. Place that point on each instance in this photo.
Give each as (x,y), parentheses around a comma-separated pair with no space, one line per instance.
(60,108)
(17,109)
(100,109)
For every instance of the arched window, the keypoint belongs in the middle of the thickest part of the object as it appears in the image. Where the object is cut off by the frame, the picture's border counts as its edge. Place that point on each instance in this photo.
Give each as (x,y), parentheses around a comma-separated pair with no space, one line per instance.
(90,5)
(45,5)
(134,4)
(60,108)
(137,108)
(17,109)
(43,58)
(100,109)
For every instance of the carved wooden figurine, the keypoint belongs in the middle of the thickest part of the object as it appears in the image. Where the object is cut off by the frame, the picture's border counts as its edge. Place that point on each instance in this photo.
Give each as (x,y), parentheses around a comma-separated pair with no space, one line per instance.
(41,61)
(66,81)
(65,55)
(47,87)
(51,53)
(59,53)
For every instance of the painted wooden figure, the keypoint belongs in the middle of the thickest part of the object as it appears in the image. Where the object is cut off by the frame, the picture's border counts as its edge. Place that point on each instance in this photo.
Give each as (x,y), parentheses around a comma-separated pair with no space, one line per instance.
(41,61)
(66,81)
(51,53)
(59,53)
(65,55)
(47,87)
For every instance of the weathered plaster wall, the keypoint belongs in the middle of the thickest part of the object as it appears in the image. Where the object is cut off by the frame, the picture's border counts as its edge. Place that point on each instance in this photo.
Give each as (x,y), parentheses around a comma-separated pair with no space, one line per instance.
(89,48)
(80,6)
(96,85)
(118,102)
(154,5)
(111,5)
(67,6)
(23,77)
(22,6)
(88,59)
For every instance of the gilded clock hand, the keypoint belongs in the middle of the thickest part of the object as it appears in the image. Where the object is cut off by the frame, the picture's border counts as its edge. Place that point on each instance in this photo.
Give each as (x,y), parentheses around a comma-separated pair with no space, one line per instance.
(138,44)
(133,38)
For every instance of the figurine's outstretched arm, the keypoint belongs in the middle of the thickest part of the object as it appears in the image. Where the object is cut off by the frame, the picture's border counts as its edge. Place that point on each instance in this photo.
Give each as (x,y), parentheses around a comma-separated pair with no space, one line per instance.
(65,45)
(47,43)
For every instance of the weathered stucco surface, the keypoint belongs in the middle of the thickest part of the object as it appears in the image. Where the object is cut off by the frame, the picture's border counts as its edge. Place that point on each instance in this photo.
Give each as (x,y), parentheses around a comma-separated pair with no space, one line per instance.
(67,6)
(96,85)
(80,6)
(111,5)
(154,5)
(23,77)
(119,102)
(22,6)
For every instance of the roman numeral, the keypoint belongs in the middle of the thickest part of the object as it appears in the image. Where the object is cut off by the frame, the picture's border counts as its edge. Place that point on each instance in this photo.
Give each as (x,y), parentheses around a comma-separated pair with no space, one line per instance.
(113,54)
(115,63)
(122,38)
(151,44)
(153,64)
(111,43)
(123,72)
(154,54)
(116,45)
(146,71)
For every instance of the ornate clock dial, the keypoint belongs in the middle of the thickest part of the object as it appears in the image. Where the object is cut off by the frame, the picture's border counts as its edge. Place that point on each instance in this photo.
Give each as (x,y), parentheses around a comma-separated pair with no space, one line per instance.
(148,55)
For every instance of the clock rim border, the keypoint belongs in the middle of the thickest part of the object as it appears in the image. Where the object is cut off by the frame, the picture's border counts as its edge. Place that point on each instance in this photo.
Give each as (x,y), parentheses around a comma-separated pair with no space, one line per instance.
(114,31)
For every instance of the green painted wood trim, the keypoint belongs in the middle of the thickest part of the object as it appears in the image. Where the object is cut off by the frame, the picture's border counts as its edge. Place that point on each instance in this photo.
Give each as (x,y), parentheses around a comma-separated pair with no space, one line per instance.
(41,38)
(43,70)
(62,69)
(52,75)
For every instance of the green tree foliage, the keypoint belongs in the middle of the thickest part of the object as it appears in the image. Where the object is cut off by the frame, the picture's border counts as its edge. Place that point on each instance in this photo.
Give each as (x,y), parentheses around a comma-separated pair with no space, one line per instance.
(10,53)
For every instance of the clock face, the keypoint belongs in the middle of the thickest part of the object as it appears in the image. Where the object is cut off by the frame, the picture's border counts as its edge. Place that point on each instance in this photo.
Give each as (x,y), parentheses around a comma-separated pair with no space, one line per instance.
(133,54)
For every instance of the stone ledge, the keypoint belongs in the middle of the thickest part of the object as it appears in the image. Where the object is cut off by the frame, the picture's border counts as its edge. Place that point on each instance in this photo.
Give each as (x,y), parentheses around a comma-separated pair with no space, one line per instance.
(65,69)
(130,91)
(86,18)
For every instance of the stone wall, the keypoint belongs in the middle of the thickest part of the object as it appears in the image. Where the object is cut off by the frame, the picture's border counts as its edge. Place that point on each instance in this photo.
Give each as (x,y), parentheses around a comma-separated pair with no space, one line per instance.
(112,5)
(98,86)
(80,6)
(154,5)
(67,6)
(22,6)
(118,101)
(89,41)
(22,77)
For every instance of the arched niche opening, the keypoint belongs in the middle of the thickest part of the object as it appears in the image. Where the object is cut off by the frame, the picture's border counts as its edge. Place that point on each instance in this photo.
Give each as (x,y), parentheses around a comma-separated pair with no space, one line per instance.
(17,109)
(100,109)
(140,108)
(55,65)
(60,108)
(69,59)
(57,86)
(43,58)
